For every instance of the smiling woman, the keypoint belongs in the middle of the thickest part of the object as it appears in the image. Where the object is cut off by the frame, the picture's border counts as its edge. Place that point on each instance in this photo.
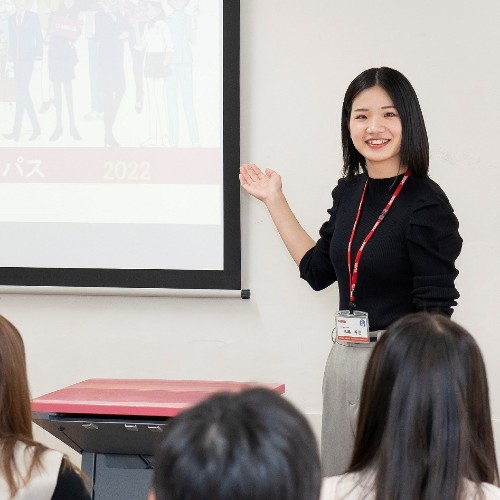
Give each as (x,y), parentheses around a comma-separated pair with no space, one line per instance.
(376,132)
(391,240)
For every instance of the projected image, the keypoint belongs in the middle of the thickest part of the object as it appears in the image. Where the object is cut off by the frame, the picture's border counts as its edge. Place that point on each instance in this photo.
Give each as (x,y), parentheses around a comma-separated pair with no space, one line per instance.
(110,73)
(111,134)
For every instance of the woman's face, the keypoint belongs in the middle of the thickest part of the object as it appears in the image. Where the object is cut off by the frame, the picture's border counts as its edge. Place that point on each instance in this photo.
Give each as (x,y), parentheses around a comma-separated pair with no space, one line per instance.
(376,130)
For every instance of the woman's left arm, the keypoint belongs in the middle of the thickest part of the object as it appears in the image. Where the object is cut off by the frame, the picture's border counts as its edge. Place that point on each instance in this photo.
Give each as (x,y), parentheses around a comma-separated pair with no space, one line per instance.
(434,244)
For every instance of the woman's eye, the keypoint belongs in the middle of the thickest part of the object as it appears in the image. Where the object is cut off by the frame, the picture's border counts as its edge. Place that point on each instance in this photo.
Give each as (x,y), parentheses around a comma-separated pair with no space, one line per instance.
(359,117)
(390,114)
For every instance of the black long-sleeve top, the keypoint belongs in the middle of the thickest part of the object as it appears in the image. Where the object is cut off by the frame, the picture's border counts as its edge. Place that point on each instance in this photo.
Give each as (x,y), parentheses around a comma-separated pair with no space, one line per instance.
(407,265)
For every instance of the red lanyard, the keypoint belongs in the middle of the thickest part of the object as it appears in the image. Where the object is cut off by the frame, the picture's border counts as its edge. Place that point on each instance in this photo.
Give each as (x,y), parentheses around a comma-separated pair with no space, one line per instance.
(353,275)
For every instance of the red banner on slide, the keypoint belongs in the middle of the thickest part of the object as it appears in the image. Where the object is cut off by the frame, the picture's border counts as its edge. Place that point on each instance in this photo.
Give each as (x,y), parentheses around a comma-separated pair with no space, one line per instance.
(111,165)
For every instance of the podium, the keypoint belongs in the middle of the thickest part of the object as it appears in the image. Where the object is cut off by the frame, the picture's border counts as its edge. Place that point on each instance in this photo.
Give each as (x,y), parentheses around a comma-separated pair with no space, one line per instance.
(116,424)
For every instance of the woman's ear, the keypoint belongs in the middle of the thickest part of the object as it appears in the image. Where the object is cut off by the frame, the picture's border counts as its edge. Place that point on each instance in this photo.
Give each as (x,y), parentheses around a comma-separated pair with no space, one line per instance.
(151,494)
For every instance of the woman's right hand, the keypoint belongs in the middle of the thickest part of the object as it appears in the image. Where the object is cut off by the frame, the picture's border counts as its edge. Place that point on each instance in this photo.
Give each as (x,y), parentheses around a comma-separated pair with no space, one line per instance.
(262,185)
(266,186)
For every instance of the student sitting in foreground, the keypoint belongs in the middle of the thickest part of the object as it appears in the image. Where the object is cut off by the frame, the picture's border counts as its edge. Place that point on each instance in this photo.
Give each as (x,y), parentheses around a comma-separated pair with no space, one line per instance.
(252,445)
(424,429)
(28,470)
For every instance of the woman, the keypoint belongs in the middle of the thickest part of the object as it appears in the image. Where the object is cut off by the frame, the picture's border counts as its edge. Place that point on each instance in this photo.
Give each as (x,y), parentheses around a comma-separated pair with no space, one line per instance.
(424,429)
(157,43)
(64,30)
(27,468)
(25,47)
(136,11)
(183,26)
(390,243)
(111,31)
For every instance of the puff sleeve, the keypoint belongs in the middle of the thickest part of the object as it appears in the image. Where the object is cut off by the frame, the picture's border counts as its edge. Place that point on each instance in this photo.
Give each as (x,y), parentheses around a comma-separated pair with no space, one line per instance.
(433,245)
(316,266)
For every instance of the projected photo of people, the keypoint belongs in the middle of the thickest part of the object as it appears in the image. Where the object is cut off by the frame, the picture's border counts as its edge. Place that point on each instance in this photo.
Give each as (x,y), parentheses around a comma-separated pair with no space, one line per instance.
(111,131)
(110,74)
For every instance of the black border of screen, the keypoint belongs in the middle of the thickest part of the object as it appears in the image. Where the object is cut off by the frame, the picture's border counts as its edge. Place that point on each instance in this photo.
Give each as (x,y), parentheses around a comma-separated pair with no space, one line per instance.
(227,279)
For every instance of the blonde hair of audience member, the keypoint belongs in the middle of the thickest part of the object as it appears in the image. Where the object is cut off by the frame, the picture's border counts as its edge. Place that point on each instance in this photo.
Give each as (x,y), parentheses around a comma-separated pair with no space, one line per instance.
(15,412)
(252,445)
(424,423)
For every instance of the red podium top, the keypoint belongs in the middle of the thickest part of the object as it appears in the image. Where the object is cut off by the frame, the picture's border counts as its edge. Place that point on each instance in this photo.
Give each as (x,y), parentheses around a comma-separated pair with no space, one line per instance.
(136,397)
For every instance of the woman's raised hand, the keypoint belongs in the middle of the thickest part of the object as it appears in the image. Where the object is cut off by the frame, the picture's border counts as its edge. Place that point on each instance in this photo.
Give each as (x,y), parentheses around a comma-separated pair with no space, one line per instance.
(266,186)
(262,186)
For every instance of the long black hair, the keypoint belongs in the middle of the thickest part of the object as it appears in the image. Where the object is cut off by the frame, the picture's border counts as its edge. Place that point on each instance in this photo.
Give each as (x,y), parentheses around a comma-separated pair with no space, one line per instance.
(414,143)
(424,423)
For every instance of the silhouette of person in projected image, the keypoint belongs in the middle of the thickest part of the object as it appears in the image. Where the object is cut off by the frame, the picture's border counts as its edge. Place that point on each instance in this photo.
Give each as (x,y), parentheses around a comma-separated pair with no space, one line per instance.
(182,27)
(44,9)
(111,31)
(96,96)
(136,11)
(6,9)
(64,30)
(157,43)
(25,47)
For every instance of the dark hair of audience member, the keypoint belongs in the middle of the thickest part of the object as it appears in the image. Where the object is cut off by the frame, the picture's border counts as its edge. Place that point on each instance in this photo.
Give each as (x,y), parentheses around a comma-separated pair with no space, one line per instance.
(252,445)
(425,421)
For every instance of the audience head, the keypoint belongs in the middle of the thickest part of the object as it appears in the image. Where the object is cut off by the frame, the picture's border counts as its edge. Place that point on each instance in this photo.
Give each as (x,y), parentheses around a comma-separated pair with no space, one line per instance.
(252,445)
(425,421)
(15,408)
(414,143)
(15,401)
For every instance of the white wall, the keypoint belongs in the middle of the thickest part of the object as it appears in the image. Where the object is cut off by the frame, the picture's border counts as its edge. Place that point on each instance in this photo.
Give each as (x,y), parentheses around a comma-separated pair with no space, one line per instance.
(297,59)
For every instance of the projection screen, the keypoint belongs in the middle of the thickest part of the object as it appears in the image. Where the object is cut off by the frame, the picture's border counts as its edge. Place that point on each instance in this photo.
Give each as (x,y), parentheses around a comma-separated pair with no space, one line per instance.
(120,145)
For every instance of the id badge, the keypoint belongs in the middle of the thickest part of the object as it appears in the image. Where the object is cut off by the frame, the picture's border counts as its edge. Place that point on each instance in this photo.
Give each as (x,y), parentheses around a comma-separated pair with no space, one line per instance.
(352,327)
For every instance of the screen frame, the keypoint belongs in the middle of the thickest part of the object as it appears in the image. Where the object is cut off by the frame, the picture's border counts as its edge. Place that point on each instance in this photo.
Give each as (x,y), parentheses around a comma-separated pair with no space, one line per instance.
(227,279)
